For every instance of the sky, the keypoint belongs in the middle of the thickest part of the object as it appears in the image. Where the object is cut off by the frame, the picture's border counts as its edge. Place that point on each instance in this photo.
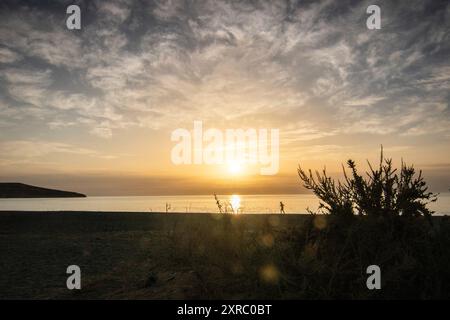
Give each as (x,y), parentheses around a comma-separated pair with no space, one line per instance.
(92,110)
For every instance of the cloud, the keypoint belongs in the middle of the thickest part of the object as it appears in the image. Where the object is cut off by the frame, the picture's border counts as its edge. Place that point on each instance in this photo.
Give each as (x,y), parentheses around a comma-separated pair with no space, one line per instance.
(439,79)
(32,148)
(366,101)
(304,131)
(26,150)
(114,10)
(8,56)
(21,76)
(103,132)
(161,64)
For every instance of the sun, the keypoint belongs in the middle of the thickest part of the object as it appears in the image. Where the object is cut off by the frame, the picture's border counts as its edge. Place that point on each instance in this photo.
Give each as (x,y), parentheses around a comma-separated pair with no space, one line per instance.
(234,167)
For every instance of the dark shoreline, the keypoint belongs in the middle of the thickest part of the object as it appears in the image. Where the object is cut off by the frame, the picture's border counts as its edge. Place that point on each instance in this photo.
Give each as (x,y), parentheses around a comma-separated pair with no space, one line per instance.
(93,221)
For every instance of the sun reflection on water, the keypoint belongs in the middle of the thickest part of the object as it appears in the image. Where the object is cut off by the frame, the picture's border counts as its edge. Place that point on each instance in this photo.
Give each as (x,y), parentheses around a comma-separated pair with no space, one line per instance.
(235,202)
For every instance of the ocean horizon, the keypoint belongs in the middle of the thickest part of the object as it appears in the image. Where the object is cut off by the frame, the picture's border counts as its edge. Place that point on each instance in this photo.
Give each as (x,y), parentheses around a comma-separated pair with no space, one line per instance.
(237,203)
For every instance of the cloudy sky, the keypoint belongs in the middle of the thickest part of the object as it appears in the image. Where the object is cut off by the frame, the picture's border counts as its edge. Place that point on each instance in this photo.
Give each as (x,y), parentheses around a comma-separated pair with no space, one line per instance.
(93,109)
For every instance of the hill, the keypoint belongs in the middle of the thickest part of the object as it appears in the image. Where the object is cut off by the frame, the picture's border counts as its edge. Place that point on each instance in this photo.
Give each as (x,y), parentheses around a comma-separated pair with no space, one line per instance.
(21,190)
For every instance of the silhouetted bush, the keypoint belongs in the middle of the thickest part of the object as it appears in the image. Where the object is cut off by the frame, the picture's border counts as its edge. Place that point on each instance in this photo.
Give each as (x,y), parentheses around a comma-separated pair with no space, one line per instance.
(385,192)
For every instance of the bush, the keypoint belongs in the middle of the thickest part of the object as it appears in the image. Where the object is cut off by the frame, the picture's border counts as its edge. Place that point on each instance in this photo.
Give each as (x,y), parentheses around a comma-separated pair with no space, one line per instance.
(385,192)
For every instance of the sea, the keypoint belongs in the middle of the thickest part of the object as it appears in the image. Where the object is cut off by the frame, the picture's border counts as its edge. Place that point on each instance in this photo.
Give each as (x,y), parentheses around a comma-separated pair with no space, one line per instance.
(237,203)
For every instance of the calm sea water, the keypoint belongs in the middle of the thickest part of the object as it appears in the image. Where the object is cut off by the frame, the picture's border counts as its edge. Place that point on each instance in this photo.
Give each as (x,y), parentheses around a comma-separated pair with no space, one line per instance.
(207,203)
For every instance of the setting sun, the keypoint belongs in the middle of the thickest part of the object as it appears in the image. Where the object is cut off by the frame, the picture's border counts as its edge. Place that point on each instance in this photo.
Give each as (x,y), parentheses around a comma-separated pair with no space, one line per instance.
(234,167)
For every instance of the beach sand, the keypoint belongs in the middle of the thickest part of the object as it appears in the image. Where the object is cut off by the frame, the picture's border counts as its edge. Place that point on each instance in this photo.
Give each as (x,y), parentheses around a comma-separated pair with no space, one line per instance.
(121,255)
(220,256)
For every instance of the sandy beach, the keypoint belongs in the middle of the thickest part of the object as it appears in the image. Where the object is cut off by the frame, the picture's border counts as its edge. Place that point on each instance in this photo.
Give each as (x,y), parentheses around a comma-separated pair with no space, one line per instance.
(121,255)
(131,255)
